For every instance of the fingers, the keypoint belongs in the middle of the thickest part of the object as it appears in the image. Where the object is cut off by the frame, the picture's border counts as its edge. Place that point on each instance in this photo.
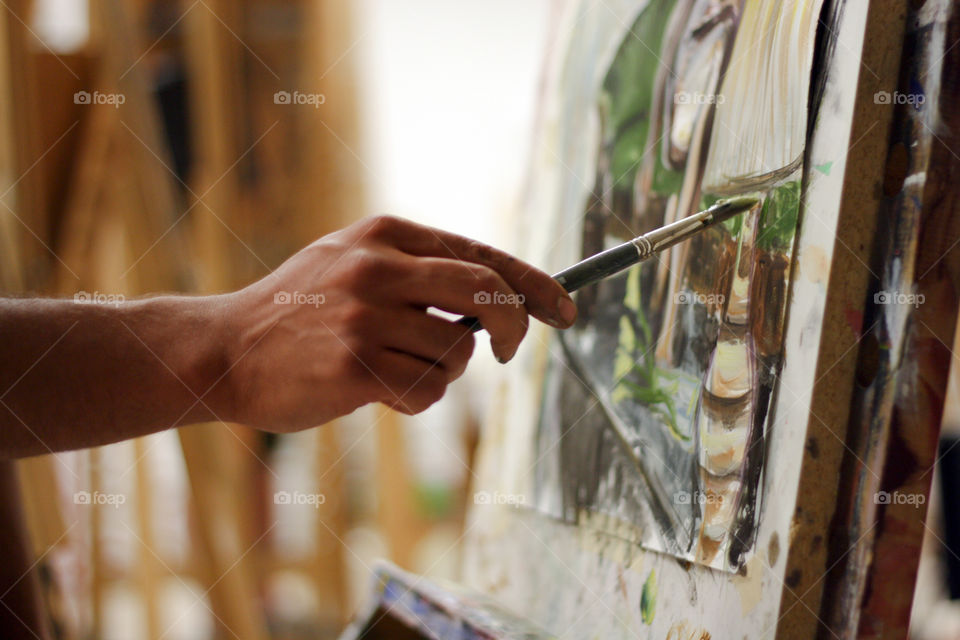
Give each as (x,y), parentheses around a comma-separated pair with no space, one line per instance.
(472,290)
(410,385)
(434,340)
(543,296)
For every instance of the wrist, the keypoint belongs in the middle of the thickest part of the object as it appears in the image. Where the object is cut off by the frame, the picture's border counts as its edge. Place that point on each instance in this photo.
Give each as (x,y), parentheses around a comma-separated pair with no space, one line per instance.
(196,346)
(214,370)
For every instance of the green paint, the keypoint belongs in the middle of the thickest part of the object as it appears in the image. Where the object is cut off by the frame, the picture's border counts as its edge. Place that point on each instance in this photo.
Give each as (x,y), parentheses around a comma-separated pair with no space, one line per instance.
(734,224)
(627,98)
(648,599)
(623,360)
(778,218)
(824,168)
(640,379)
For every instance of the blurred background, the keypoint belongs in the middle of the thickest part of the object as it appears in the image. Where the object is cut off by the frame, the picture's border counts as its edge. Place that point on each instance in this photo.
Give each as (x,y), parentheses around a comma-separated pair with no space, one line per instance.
(192,146)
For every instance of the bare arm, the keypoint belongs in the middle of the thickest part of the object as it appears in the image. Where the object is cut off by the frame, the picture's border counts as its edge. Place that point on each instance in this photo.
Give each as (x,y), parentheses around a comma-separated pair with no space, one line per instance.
(78,375)
(341,324)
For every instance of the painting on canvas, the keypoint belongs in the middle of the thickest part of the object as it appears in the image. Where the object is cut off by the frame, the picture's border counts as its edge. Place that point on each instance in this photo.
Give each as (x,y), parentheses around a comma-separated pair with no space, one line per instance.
(655,412)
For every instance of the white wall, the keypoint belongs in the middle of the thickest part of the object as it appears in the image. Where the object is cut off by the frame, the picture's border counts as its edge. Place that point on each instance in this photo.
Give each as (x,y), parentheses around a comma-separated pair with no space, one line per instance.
(449,95)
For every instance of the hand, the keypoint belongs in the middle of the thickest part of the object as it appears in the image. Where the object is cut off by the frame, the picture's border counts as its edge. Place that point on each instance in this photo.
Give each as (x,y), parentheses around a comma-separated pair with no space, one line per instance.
(344,322)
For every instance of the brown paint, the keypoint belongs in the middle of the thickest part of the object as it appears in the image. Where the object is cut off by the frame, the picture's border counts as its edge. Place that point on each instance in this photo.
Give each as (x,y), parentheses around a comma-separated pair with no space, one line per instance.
(794,578)
(773,549)
(709,268)
(898,164)
(868,364)
(815,543)
(768,296)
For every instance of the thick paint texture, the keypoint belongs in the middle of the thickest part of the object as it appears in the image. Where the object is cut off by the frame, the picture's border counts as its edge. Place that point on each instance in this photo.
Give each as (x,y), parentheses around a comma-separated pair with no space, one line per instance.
(660,396)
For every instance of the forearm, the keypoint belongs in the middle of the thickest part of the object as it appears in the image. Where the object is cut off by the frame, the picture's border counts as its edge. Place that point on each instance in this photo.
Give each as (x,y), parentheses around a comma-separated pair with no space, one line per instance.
(343,323)
(80,375)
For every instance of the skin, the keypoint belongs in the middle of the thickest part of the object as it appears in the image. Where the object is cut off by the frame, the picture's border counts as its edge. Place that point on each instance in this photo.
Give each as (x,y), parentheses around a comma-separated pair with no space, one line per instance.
(81,375)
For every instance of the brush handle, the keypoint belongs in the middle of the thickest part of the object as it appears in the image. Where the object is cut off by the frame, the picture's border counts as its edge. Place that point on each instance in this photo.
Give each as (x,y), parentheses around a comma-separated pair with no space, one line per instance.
(595,268)
(606,263)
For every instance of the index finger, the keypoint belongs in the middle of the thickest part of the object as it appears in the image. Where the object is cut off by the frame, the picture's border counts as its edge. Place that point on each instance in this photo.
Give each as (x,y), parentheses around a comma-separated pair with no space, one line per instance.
(544,297)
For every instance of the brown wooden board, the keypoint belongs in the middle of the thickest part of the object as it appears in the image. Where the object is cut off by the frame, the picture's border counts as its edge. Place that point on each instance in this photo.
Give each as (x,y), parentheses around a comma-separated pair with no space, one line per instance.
(905,353)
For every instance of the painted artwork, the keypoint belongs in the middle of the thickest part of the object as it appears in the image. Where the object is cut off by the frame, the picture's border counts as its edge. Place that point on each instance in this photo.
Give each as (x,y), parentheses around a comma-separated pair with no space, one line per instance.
(656,409)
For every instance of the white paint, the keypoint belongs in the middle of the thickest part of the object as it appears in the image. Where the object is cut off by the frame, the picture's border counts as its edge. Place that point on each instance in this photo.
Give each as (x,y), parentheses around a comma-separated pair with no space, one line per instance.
(579,583)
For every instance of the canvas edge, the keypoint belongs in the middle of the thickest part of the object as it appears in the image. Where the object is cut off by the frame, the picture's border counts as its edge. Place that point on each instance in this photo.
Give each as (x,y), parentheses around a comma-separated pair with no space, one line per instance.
(847,105)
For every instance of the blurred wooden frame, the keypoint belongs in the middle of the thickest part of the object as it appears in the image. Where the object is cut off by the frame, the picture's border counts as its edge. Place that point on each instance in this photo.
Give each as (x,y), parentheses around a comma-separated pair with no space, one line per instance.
(107,184)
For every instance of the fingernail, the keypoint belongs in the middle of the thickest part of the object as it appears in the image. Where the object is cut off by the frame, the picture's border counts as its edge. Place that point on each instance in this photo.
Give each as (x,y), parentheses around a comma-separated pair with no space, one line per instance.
(567,310)
(504,357)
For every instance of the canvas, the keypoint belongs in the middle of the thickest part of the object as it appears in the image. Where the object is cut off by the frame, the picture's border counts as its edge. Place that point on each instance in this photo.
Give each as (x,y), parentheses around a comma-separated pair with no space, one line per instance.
(684,463)
(660,399)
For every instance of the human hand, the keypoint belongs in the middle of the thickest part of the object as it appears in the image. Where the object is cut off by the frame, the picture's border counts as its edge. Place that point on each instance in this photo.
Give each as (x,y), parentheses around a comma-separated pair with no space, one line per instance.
(344,322)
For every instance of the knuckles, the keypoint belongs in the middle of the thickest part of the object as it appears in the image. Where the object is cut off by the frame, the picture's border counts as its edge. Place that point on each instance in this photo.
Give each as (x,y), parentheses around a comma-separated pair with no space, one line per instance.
(357,317)
(366,266)
(486,279)
(353,361)
(365,270)
(434,388)
(381,228)
(354,329)
(459,356)
(484,253)
(426,392)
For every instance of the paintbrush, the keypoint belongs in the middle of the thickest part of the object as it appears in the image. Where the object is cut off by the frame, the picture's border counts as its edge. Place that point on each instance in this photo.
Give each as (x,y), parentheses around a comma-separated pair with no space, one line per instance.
(614,260)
